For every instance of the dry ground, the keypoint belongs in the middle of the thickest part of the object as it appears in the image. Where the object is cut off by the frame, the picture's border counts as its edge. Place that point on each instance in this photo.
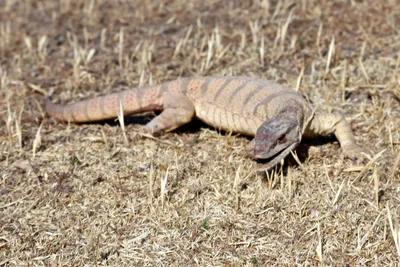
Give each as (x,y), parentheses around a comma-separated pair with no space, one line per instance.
(74,195)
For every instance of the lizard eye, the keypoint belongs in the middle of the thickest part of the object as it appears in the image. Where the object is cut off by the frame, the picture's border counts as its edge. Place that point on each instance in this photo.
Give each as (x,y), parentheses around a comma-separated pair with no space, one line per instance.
(281,139)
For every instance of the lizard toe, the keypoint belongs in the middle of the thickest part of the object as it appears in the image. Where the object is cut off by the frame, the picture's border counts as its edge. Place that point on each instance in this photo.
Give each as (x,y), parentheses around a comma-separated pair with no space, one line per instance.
(153,130)
(250,149)
(354,152)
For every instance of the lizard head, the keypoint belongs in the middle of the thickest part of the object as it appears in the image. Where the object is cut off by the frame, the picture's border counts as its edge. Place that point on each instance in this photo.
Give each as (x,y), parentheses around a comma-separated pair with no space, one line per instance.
(277,136)
(274,136)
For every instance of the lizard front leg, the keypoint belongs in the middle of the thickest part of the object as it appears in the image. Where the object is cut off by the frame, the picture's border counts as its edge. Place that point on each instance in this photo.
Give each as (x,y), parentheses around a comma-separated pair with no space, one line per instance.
(177,111)
(325,123)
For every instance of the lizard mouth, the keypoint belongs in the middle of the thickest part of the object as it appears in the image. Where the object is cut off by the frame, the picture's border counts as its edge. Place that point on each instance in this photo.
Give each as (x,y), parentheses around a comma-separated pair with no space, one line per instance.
(280,148)
(276,158)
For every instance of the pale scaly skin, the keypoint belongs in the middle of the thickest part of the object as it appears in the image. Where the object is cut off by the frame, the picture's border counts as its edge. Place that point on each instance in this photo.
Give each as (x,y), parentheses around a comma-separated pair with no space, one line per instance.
(277,116)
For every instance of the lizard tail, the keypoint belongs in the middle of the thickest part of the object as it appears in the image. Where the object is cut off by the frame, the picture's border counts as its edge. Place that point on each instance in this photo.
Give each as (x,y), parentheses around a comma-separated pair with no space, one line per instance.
(131,101)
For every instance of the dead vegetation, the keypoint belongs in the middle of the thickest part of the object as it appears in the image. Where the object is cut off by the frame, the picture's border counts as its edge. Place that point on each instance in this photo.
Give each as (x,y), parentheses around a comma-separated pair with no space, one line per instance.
(102,194)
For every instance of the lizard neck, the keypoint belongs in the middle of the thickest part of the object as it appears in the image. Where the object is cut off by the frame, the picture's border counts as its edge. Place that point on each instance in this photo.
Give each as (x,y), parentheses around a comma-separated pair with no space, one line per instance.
(291,110)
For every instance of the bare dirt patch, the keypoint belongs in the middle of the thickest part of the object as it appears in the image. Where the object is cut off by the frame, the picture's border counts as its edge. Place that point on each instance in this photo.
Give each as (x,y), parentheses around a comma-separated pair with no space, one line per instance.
(76,195)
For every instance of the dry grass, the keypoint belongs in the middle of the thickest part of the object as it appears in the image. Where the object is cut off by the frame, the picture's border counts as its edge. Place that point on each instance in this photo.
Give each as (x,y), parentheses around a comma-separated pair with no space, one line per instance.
(96,194)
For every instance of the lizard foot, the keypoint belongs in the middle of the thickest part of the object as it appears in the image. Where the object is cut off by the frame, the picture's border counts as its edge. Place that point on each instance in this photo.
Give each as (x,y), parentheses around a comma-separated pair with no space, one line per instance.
(153,130)
(250,149)
(354,151)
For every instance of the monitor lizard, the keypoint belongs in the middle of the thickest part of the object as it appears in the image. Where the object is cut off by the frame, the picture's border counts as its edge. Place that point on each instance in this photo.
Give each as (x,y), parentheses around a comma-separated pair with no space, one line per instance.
(275,115)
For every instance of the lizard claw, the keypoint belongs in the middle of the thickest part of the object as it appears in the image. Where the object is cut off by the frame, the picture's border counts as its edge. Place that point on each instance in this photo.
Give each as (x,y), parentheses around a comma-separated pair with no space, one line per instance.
(154,130)
(354,151)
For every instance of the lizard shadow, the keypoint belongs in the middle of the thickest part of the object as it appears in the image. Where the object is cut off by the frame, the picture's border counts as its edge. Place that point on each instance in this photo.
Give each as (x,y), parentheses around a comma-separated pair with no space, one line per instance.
(142,119)
(134,119)
(194,126)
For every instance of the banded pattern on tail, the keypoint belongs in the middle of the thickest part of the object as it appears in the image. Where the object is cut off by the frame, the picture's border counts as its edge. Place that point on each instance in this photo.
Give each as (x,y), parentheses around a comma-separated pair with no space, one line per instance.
(133,101)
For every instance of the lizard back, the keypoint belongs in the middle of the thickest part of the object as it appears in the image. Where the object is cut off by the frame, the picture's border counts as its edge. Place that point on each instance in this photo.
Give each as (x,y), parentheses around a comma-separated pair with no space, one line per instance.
(238,104)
